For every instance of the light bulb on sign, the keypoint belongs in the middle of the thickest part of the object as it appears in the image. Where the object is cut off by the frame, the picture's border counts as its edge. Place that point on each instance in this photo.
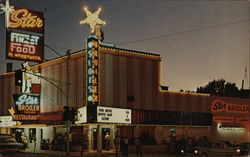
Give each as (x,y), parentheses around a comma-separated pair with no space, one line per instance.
(7,9)
(92,19)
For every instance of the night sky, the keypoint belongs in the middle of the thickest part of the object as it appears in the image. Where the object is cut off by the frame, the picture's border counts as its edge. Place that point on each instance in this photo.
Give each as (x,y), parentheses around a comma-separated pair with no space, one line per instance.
(198,40)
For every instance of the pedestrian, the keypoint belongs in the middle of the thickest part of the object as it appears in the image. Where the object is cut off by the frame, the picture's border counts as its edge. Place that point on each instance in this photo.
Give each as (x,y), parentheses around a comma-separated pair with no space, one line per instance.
(122,145)
(24,140)
(107,140)
(138,147)
(126,146)
(82,145)
(172,145)
(117,143)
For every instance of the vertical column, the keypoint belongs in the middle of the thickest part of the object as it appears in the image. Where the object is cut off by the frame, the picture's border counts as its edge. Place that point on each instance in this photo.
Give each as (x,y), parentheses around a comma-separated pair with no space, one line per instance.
(99,138)
(136,131)
(38,138)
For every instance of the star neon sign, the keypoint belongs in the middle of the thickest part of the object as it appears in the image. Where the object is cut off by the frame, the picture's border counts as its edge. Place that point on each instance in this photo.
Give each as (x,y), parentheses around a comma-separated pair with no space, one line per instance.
(92,19)
(7,9)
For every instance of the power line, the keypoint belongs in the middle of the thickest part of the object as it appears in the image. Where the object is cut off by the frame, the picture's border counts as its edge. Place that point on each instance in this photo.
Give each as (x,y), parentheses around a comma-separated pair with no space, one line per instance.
(57,47)
(182,32)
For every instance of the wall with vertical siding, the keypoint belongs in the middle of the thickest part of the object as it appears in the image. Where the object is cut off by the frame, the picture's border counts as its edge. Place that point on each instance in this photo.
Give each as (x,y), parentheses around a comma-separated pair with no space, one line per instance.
(122,74)
(126,75)
(7,89)
(183,102)
(53,98)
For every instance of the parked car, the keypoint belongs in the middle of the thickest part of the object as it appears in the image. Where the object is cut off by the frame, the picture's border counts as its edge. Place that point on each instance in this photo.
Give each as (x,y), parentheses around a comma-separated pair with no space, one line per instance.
(216,148)
(229,144)
(9,144)
(245,148)
(58,143)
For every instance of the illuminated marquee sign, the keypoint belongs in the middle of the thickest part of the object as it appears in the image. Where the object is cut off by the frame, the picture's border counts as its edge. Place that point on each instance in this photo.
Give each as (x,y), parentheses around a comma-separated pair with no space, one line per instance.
(224,119)
(242,120)
(92,71)
(231,128)
(24,46)
(81,115)
(113,115)
(27,103)
(231,119)
(219,105)
(27,20)
(26,117)
(25,36)
(7,121)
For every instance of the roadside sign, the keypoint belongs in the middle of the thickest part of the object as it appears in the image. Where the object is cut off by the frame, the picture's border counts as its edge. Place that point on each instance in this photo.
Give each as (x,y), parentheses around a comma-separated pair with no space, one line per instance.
(6,118)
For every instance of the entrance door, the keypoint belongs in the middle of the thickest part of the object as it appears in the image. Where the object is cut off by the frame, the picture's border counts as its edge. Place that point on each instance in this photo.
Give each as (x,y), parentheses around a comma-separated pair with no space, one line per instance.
(32,135)
(94,139)
(106,138)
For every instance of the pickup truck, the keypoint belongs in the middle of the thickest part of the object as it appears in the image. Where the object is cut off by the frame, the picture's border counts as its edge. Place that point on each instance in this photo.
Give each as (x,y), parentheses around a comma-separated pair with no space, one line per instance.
(216,148)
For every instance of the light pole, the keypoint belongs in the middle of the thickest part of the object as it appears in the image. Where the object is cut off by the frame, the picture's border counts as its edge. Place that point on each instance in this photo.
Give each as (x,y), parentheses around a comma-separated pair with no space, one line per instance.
(249,67)
(67,123)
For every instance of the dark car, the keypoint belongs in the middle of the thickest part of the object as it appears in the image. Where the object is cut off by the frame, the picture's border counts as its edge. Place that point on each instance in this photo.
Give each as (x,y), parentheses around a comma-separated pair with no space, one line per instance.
(245,148)
(216,148)
(9,144)
(229,144)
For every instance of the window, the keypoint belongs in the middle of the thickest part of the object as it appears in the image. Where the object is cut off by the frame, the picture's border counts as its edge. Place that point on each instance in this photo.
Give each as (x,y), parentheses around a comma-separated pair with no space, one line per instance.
(131,98)
(171,118)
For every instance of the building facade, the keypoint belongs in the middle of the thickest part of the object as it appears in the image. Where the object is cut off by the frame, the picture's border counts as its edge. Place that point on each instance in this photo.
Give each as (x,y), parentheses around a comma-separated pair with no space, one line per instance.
(127,79)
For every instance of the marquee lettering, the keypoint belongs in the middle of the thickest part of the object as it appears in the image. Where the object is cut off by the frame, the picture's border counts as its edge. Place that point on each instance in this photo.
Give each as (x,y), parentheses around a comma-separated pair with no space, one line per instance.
(219,105)
(29,108)
(224,119)
(26,117)
(23,18)
(242,120)
(27,100)
(24,38)
(22,48)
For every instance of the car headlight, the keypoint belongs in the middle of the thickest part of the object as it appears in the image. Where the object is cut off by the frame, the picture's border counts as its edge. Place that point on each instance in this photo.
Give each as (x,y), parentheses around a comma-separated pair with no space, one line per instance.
(182,151)
(238,150)
(196,151)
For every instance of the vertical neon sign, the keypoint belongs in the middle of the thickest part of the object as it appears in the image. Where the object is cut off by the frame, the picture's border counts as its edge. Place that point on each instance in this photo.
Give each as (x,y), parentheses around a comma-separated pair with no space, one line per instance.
(92,70)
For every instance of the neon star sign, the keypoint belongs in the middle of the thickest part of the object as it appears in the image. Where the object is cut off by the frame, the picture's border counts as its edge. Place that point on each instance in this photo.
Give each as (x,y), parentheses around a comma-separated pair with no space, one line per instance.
(7,9)
(92,19)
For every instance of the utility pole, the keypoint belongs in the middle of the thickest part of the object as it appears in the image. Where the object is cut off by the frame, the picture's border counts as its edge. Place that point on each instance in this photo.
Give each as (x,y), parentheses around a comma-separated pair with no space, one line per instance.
(249,66)
(67,123)
(67,100)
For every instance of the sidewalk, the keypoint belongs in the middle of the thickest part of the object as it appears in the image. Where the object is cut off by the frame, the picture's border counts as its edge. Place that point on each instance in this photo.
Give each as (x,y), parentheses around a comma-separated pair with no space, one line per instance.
(63,153)
(90,154)
(147,150)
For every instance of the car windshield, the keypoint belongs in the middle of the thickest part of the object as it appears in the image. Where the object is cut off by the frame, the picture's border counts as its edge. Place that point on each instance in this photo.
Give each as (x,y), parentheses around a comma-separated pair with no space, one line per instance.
(205,144)
(245,145)
(228,143)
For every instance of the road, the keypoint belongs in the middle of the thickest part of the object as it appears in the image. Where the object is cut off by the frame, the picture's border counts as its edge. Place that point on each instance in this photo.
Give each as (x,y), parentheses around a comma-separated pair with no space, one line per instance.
(72,154)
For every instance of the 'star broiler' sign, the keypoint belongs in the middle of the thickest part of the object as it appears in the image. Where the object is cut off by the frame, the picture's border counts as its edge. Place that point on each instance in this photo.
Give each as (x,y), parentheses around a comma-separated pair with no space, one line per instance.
(27,106)
(25,36)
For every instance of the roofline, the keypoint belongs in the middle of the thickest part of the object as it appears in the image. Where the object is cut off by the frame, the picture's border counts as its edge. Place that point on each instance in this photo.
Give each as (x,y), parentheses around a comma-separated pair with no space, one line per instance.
(135,51)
